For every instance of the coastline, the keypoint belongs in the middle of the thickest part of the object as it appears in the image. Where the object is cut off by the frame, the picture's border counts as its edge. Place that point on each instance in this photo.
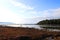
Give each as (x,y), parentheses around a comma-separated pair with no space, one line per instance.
(14,32)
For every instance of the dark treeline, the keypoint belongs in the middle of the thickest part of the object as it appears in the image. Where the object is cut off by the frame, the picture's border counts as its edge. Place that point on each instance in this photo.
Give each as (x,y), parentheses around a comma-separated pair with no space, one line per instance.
(50,22)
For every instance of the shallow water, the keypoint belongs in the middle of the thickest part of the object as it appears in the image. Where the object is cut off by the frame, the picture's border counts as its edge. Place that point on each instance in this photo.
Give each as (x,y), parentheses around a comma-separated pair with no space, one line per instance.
(28,26)
(36,26)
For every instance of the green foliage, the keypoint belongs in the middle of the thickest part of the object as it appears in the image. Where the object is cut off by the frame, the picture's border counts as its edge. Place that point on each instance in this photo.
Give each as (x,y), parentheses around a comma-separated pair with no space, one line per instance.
(50,22)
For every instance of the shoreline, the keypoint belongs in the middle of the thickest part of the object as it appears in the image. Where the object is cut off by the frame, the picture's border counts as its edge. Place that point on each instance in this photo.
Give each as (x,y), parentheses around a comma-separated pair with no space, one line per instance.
(14,32)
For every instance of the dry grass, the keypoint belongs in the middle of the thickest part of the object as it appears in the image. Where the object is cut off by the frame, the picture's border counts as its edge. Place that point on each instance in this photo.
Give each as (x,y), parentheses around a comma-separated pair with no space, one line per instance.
(7,32)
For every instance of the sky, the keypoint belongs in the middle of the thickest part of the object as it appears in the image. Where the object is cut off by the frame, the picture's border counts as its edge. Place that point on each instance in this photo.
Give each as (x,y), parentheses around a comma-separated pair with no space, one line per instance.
(28,11)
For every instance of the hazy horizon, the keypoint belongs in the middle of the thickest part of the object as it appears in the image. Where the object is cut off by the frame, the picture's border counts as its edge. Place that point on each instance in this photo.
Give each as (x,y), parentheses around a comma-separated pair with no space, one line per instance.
(28,11)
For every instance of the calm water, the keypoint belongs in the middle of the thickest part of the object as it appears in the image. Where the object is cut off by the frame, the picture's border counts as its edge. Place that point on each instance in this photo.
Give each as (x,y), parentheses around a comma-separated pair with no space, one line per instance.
(28,26)
(37,26)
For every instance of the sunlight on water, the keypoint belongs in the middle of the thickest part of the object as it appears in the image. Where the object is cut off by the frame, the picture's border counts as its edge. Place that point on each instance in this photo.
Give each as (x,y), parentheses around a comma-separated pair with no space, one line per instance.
(28,26)
(34,26)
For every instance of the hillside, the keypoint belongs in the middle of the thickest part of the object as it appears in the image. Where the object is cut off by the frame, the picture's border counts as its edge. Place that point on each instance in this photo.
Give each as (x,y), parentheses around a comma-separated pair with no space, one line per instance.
(50,22)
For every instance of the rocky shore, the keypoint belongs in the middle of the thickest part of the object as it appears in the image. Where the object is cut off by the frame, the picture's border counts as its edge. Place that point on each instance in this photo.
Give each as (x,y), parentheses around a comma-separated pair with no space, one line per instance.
(20,33)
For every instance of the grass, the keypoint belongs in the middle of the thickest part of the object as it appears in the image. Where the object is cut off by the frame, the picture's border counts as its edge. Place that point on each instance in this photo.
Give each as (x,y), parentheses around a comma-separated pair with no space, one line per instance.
(7,32)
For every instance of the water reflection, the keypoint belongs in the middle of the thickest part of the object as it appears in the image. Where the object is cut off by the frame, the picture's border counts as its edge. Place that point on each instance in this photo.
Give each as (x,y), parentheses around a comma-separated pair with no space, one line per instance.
(37,26)
(28,26)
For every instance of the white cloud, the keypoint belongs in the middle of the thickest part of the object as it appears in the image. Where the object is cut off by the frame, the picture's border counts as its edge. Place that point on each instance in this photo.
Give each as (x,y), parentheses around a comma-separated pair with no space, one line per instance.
(6,15)
(22,8)
(56,12)
(50,13)
(47,14)
(30,10)
(20,5)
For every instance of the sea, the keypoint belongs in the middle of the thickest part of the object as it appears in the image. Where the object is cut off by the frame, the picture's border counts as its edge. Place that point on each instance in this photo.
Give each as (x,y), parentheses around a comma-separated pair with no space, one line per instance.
(40,27)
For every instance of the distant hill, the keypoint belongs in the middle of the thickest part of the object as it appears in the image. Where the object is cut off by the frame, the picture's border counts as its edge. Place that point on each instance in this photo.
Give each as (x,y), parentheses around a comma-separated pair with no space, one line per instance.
(6,23)
(50,22)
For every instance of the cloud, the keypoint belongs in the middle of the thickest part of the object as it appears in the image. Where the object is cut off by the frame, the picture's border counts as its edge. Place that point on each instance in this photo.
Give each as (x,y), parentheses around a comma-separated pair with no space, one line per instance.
(25,9)
(46,14)
(25,13)
(56,12)
(22,9)
(50,13)
(20,5)
(6,15)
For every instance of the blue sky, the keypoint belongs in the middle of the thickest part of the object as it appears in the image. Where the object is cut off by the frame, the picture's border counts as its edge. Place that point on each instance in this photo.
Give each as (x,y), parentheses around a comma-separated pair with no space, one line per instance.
(28,11)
